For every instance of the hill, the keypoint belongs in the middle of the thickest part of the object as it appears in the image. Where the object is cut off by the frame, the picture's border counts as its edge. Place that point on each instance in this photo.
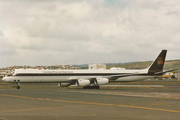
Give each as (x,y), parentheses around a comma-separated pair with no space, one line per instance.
(169,64)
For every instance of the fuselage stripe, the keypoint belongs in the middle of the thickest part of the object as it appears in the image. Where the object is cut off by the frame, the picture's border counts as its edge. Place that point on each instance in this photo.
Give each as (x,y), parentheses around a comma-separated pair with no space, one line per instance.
(78,74)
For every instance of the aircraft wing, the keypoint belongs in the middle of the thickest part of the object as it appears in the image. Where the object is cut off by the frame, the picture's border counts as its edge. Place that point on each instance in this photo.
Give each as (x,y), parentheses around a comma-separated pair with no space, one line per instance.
(114,77)
(110,77)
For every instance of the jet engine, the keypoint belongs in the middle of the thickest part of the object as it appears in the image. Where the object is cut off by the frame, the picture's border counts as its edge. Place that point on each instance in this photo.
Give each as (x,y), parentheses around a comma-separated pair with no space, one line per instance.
(101,81)
(83,82)
(65,84)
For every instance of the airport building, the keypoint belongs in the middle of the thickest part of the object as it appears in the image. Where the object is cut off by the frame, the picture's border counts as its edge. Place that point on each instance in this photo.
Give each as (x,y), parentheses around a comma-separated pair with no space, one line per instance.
(177,75)
(4,73)
(97,66)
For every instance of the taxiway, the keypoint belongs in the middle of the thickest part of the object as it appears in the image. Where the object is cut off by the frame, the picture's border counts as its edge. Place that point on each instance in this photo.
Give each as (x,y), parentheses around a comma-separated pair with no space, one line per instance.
(107,103)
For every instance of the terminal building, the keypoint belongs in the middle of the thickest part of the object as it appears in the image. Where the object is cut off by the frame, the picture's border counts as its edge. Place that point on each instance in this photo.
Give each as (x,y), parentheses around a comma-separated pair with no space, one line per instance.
(4,73)
(97,66)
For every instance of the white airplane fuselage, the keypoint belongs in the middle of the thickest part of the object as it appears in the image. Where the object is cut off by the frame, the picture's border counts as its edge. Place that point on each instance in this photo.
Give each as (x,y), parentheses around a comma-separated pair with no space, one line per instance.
(86,78)
(64,76)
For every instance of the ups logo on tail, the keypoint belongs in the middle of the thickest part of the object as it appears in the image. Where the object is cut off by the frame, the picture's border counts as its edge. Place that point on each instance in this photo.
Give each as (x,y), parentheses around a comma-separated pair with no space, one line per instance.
(160,61)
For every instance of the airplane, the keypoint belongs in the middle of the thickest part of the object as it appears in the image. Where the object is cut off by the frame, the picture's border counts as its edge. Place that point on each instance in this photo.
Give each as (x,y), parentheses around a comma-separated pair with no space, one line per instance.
(88,79)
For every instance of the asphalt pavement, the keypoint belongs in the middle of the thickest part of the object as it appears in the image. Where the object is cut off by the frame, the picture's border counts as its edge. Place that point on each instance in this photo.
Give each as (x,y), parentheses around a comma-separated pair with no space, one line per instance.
(107,103)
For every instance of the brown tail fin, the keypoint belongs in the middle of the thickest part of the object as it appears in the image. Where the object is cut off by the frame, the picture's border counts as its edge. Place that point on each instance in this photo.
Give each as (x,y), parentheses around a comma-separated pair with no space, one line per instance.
(158,64)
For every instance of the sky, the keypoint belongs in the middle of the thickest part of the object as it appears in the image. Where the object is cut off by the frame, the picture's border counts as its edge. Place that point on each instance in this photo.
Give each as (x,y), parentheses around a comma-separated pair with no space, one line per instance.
(60,32)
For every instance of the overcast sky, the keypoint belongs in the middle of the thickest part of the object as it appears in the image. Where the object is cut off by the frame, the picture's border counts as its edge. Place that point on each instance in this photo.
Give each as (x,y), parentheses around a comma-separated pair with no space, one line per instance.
(51,32)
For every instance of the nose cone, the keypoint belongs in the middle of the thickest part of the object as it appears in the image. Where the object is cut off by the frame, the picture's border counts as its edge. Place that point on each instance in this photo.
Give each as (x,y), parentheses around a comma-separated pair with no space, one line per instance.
(3,78)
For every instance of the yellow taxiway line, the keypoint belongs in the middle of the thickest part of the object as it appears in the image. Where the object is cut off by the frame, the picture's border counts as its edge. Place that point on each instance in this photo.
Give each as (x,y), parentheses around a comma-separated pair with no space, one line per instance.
(91,103)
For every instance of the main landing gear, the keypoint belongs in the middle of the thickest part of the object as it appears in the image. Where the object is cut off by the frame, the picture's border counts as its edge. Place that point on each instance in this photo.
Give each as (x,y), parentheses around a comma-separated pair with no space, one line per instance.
(91,87)
(18,85)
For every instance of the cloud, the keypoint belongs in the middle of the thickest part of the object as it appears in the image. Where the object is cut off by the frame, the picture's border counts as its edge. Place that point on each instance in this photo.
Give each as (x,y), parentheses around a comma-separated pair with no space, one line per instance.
(83,31)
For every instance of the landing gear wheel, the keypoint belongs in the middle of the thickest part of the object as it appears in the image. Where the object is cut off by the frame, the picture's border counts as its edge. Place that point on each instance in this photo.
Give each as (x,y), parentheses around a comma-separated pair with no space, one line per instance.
(18,87)
(97,87)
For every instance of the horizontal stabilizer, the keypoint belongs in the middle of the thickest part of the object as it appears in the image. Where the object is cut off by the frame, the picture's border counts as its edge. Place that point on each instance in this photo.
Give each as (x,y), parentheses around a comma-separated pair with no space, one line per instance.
(162,72)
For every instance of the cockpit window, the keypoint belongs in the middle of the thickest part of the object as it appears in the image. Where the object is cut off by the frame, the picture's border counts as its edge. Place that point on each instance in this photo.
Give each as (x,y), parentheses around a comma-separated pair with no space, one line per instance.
(11,74)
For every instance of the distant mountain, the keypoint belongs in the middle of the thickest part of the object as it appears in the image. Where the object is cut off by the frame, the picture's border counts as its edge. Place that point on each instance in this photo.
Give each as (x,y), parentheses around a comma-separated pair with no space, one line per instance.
(83,66)
(169,64)
(131,65)
(172,64)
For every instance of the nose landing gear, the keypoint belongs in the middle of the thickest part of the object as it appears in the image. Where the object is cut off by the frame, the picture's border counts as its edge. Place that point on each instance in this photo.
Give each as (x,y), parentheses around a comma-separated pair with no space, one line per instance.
(18,85)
